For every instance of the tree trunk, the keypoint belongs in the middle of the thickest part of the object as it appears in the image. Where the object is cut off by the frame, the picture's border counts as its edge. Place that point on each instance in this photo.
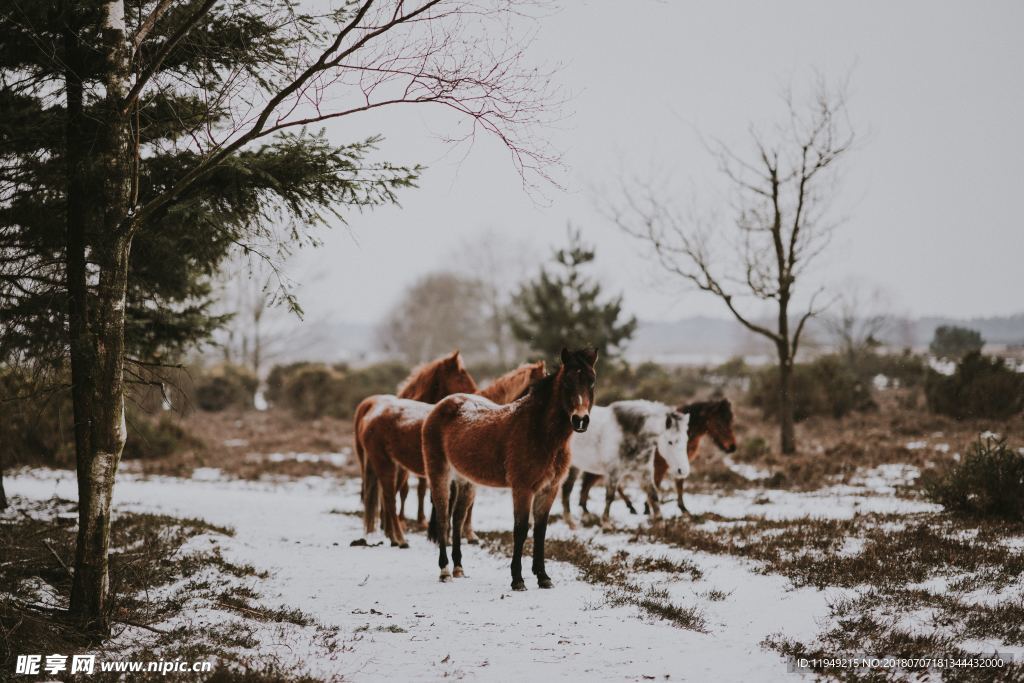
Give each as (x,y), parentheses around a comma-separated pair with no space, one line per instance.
(97,319)
(787,433)
(3,494)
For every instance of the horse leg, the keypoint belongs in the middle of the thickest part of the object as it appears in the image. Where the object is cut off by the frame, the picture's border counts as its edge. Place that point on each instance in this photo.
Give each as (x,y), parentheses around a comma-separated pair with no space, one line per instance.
(679,496)
(611,484)
(403,490)
(588,480)
(389,474)
(371,498)
(464,495)
(541,508)
(439,477)
(652,498)
(467,526)
(570,479)
(626,500)
(522,501)
(421,494)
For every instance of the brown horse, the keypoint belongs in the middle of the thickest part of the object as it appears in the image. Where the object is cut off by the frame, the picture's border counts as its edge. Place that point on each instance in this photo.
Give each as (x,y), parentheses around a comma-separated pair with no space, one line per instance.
(505,389)
(523,446)
(706,418)
(392,448)
(428,383)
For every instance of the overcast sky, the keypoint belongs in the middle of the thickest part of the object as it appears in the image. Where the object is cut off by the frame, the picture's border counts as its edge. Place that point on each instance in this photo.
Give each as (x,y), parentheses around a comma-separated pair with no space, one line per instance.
(932,193)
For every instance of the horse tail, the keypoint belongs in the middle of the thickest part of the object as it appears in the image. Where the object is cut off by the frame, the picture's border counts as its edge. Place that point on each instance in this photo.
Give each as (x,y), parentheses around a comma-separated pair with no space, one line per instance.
(438,477)
(434,527)
(357,421)
(371,498)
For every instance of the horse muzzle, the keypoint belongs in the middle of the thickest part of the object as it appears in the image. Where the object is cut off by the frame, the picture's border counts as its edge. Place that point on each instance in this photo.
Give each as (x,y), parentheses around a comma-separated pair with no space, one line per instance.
(580,423)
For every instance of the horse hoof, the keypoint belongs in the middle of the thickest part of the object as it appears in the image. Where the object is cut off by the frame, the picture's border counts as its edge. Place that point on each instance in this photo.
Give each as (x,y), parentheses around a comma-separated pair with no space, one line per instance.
(473,541)
(358,542)
(518,585)
(403,545)
(571,523)
(422,524)
(446,575)
(545,582)
(458,573)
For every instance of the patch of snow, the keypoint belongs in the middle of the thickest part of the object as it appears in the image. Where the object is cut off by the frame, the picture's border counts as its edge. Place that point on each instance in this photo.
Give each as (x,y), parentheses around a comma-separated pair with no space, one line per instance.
(943,367)
(207,474)
(236,443)
(337,459)
(915,445)
(747,471)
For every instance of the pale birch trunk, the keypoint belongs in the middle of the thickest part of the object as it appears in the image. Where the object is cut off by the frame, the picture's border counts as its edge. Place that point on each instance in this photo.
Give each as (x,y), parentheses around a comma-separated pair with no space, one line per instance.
(97,318)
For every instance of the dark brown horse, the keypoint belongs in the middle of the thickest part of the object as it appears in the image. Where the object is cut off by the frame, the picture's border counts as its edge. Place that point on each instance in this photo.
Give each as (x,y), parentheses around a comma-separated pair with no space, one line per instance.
(391,443)
(523,446)
(428,383)
(505,389)
(706,418)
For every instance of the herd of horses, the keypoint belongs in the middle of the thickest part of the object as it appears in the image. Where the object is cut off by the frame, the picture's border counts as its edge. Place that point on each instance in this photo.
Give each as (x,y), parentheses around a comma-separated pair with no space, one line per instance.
(529,431)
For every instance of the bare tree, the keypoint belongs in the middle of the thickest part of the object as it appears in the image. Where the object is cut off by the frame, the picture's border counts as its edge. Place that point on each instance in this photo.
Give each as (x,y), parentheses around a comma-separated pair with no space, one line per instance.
(438,312)
(498,263)
(859,319)
(462,55)
(781,192)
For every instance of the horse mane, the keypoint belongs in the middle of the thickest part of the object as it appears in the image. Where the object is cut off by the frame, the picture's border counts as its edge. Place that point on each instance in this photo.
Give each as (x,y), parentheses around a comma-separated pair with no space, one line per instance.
(510,386)
(422,379)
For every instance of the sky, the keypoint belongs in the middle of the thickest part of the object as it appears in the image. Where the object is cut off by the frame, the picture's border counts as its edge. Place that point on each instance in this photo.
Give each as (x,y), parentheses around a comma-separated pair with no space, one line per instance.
(929,197)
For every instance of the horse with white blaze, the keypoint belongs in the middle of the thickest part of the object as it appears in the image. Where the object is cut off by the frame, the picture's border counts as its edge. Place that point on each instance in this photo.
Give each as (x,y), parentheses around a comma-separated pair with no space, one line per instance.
(620,444)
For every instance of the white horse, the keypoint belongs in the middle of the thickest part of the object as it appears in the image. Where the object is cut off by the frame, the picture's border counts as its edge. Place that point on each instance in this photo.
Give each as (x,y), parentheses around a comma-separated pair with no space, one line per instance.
(620,444)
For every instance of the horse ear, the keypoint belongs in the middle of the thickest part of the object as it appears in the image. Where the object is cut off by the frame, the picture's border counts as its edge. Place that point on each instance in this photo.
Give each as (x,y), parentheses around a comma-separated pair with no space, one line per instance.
(590,355)
(565,356)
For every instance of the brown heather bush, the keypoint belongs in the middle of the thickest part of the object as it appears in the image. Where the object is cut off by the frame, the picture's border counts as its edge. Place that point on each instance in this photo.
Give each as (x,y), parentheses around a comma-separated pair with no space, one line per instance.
(988,482)
(981,387)
(225,386)
(312,390)
(828,385)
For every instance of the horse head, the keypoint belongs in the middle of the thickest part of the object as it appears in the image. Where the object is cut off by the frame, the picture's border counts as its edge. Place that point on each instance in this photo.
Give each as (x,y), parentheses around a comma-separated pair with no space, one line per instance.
(715,419)
(576,380)
(672,444)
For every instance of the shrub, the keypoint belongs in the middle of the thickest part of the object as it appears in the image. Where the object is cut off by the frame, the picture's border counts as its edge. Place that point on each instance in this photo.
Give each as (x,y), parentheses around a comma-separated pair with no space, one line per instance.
(226,386)
(155,438)
(752,449)
(981,387)
(673,385)
(36,422)
(952,342)
(825,386)
(989,482)
(313,390)
(279,376)
(907,369)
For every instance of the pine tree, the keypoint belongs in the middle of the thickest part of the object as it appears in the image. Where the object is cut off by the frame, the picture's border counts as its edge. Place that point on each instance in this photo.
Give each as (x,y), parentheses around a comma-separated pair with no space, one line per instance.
(563,307)
(141,139)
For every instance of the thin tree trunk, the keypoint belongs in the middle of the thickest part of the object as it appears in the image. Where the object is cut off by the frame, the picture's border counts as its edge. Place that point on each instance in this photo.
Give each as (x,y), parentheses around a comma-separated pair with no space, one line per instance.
(786,430)
(3,494)
(97,323)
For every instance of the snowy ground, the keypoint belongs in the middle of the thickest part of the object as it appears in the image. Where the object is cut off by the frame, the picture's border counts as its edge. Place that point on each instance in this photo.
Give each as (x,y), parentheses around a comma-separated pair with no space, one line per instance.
(477,628)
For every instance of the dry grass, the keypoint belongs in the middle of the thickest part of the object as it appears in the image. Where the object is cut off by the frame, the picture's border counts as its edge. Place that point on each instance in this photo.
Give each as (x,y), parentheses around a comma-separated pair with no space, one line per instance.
(614,575)
(832,451)
(239,443)
(156,575)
